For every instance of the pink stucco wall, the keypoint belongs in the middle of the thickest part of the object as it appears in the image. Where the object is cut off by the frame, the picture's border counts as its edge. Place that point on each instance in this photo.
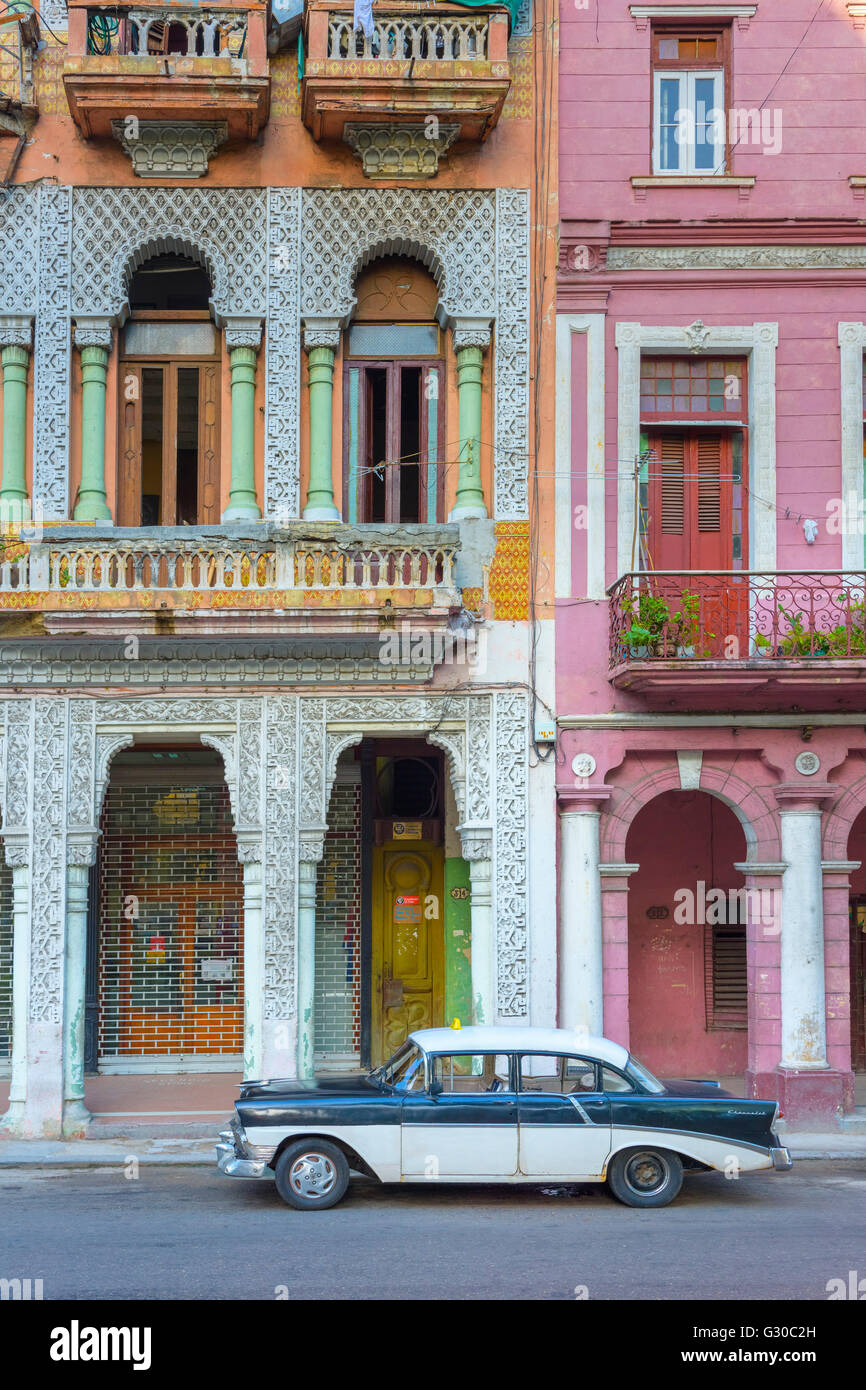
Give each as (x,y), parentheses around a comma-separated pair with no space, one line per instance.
(701,841)
(814,76)
(604,114)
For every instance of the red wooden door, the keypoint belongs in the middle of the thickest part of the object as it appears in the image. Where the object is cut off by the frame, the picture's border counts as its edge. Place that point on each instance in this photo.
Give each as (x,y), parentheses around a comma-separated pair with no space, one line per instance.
(690,528)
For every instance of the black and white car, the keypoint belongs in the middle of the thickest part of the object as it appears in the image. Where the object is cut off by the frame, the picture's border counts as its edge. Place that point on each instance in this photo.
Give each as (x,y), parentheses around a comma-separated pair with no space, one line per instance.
(497,1105)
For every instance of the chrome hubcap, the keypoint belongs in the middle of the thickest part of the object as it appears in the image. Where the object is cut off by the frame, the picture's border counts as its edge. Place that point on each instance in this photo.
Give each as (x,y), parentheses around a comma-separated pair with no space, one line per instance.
(312,1175)
(646,1173)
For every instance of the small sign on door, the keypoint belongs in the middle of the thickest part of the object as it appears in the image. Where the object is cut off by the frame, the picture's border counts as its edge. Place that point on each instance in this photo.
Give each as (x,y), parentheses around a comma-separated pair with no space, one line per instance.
(407,829)
(217,970)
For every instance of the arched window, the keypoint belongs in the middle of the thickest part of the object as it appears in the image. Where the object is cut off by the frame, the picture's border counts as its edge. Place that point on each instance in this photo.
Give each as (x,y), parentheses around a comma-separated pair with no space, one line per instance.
(394,394)
(170,394)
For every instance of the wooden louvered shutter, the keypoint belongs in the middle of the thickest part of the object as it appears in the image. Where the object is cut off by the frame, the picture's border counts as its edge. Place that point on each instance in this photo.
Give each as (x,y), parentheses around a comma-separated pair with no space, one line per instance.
(129,454)
(708,449)
(668,502)
(209,444)
(726,978)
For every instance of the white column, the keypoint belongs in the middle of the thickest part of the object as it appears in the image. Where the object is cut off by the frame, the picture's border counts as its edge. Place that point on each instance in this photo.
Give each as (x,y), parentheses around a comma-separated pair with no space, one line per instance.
(250,855)
(307,869)
(20,981)
(75,1113)
(477,849)
(804,1041)
(580,963)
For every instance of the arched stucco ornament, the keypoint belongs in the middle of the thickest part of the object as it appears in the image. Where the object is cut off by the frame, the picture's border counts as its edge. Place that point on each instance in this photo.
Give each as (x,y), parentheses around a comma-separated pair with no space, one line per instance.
(840,820)
(755,815)
(107,745)
(454,746)
(454,237)
(226,746)
(337,744)
(174,240)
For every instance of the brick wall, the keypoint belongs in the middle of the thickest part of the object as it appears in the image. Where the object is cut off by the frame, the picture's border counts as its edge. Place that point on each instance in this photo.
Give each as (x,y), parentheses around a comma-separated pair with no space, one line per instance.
(338,929)
(170,923)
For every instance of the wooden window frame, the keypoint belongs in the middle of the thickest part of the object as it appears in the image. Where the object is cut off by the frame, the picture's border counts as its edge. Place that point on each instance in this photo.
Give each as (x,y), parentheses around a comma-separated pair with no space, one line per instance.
(740,420)
(392,365)
(674,67)
(129,433)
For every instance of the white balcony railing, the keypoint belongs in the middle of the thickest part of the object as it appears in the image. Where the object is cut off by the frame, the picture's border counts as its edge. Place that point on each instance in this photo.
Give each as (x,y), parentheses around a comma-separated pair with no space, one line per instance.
(409,36)
(136,566)
(153,33)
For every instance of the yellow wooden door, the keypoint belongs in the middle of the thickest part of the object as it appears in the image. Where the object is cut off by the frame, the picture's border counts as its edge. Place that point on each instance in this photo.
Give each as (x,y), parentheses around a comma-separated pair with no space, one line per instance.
(408,944)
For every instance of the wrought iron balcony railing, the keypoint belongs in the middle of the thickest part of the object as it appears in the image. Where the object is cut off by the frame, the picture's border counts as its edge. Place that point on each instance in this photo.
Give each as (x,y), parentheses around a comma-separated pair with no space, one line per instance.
(737,616)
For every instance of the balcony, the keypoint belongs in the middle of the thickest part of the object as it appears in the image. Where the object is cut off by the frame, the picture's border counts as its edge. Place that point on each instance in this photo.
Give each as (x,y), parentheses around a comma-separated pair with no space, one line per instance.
(722,639)
(380,92)
(326,581)
(133,67)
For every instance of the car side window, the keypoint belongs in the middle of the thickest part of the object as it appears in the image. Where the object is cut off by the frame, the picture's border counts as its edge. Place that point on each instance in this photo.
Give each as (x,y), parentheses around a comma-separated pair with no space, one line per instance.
(562,1076)
(472,1073)
(613,1081)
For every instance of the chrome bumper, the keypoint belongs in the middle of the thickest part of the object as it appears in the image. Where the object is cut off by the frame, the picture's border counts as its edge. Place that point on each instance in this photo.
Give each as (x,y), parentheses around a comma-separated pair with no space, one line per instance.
(782,1160)
(229,1163)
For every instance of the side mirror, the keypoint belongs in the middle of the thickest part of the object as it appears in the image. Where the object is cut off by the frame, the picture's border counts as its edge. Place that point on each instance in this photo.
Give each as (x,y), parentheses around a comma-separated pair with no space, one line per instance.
(436,1088)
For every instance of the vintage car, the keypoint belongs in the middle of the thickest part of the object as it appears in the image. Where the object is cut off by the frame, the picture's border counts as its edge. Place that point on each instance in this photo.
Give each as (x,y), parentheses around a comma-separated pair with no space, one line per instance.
(497,1105)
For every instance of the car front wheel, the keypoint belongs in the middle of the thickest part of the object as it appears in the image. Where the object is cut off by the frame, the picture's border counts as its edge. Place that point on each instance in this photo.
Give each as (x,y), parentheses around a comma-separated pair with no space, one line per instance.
(645,1177)
(312,1175)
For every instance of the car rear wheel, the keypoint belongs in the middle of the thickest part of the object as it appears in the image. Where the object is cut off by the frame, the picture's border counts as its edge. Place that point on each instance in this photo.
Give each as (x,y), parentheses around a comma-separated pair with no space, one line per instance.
(312,1175)
(645,1177)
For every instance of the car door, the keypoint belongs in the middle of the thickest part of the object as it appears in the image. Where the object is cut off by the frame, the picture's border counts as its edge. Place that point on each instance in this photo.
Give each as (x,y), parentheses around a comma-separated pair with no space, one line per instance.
(468,1128)
(563,1117)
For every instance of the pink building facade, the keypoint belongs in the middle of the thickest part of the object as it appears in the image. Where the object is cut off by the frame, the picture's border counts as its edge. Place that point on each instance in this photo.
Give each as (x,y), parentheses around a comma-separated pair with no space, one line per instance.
(710,584)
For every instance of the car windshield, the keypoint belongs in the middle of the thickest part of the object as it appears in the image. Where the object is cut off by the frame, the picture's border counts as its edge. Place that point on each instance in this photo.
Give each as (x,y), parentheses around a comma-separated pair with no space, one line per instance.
(406,1065)
(639,1073)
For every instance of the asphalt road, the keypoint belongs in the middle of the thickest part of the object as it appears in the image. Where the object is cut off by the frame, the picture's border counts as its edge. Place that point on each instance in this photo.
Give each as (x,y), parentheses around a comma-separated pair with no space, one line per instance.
(189,1233)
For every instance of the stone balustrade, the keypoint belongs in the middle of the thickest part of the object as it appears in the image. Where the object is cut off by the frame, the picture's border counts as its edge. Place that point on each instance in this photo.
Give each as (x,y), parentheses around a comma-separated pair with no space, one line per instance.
(138,562)
(400,36)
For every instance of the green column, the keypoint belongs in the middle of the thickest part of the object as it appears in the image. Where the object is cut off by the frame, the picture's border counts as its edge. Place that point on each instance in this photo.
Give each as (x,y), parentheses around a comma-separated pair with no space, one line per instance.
(243,505)
(13,493)
(470,498)
(320,493)
(91,504)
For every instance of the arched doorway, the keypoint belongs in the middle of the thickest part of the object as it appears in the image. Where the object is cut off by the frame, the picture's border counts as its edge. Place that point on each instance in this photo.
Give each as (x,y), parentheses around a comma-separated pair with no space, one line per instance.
(168,916)
(687,929)
(170,379)
(393,936)
(394,390)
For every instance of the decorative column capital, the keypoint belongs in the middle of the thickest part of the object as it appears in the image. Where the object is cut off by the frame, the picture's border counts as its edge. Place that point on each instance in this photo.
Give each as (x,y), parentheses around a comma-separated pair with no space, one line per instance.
(807,797)
(16,330)
(249,841)
(321,332)
(469,332)
(93,330)
(242,331)
(81,845)
(16,845)
(311,843)
(476,842)
(582,800)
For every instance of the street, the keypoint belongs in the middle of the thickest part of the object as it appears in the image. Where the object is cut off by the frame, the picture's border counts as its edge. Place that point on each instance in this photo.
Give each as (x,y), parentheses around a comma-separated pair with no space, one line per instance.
(188,1233)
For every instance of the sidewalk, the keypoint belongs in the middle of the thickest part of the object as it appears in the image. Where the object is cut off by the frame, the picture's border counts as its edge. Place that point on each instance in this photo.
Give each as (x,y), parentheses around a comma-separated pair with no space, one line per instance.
(149,1147)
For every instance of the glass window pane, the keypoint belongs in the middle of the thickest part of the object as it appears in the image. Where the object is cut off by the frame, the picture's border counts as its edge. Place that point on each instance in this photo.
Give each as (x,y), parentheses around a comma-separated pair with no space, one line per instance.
(669,104)
(394,340)
(170,339)
(472,1074)
(705,135)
